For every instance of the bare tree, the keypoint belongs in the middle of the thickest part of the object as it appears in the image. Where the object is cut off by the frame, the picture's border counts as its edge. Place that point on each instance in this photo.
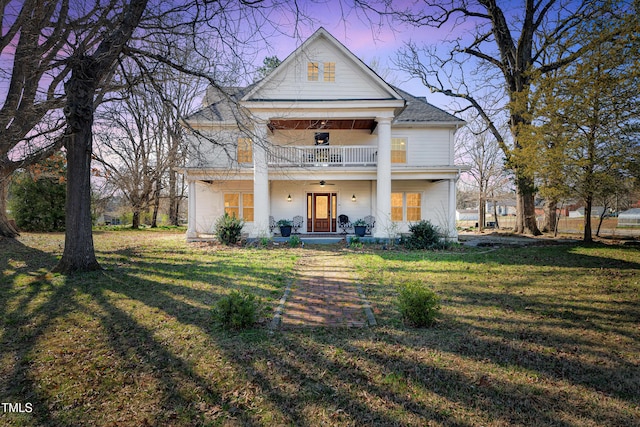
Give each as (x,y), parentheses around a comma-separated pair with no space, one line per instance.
(505,49)
(126,149)
(35,36)
(91,65)
(220,25)
(479,149)
(139,136)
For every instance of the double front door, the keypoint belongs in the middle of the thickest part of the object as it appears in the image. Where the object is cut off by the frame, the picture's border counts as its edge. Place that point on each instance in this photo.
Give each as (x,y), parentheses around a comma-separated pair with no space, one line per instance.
(321,212)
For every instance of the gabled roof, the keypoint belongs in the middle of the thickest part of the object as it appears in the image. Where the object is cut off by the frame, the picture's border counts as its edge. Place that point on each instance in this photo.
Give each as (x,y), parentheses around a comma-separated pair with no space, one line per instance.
(219,105)
(419,111)
(300,51)
(224,107)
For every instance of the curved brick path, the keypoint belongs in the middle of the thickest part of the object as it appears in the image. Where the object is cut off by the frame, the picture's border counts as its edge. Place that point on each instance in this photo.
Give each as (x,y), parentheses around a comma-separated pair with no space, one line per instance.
(325,294)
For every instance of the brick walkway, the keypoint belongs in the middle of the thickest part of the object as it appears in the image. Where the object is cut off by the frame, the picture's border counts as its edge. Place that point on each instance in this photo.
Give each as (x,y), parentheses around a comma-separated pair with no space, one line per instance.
(325,294)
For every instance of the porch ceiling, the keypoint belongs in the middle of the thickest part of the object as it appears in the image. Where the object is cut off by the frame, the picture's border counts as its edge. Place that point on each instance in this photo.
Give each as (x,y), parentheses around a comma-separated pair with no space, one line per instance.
(298,124)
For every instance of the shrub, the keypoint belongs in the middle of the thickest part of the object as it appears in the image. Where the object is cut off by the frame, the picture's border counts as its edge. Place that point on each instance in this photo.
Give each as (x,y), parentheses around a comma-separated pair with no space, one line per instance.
(355,243)
(418,305)
(295,241)
(229,229)
(238,310)
(424,235)
(38,204)
(265,241)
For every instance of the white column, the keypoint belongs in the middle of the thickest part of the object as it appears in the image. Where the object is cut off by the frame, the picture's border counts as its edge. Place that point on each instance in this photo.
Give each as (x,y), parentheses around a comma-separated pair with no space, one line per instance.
(383,187)
(260,183)
(452,230)
(192,233)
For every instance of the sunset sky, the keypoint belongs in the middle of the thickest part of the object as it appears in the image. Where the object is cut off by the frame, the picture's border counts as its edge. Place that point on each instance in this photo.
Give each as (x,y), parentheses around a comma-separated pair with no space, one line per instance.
(366,36)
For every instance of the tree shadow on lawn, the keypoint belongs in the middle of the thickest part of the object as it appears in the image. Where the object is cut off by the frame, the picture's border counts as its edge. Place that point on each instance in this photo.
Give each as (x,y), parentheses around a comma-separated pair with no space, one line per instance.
(586,312)
(133,341)
(483,391)
(361,376)
(26,312)
(552,255)
(386,377)
(64,301)
(294,372)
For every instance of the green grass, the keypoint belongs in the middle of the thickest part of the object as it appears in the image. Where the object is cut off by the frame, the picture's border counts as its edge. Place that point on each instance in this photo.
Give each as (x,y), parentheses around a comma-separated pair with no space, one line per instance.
(543,335)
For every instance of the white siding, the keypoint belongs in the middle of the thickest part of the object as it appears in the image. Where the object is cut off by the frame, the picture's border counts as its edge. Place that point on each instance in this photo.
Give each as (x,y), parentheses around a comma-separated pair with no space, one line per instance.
(350,82)
(209,207)
(435,200)
(210,203)
(426,147)
(436,204)
(214,149)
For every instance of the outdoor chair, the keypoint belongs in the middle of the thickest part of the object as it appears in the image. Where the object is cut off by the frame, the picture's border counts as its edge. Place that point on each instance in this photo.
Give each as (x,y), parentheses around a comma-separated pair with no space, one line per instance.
(297,223)
(370,220)
(343,223)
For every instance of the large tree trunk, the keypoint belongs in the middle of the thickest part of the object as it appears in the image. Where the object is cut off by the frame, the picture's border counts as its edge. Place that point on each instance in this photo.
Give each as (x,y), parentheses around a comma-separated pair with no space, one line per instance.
(526,207)
(173,198)
(7,228)
(78,252)
(550,215)
(156,204)
(588,238)
(135,220)
(87,74)
(481,213)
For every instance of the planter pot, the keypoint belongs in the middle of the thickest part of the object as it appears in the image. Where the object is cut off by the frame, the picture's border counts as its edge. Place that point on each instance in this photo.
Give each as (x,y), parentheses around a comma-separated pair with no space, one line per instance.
(285,230)
(360,230)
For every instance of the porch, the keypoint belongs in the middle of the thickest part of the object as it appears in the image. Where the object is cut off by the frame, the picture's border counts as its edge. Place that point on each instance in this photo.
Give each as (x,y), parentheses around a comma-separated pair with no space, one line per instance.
(314,156)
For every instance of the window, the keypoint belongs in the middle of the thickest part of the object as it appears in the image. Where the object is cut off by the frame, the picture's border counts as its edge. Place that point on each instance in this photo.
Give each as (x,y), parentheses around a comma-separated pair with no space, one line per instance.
(406,207)
(414,207)
(313,71)
(235,203)
(396,206)
(329,71)
(398,150)
(247,207)
(245,150)
(232,204)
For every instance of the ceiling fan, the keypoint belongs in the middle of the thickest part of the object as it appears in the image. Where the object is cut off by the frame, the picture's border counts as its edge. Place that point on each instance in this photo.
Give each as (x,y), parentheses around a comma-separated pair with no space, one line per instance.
(323,183)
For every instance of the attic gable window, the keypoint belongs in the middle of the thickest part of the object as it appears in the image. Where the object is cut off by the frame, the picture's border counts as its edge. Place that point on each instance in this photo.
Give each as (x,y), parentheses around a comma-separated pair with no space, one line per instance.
(313,71)
(325,71)
(329,71)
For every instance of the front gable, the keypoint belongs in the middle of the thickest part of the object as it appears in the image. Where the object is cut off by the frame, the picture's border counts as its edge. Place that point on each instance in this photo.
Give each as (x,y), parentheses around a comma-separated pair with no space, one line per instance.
(322,69)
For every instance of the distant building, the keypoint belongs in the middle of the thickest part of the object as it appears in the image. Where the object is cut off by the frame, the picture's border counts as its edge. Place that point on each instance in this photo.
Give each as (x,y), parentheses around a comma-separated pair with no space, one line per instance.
(629,218)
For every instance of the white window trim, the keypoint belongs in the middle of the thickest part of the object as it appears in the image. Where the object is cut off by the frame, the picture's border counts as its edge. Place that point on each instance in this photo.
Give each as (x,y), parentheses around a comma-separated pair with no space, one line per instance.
(321,69)
(406,150)
(405,206)
(240,203)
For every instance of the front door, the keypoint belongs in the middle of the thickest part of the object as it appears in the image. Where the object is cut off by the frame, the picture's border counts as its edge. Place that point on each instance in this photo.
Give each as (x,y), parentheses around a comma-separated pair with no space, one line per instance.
(321,212)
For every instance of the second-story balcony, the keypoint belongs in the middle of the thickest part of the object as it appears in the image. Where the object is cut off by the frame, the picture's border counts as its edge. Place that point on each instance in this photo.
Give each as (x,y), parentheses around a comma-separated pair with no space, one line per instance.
(323,156)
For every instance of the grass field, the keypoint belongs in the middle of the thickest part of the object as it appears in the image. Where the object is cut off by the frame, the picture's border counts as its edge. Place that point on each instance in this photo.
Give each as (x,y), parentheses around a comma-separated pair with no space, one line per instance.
(539,335)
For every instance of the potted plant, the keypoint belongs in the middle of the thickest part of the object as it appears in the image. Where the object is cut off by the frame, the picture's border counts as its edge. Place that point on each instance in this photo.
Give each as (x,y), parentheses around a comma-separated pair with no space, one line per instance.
(285,227)
(359,227)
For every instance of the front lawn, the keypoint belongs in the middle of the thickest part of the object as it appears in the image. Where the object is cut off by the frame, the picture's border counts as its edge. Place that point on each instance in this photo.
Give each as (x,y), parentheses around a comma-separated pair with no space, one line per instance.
(543,335)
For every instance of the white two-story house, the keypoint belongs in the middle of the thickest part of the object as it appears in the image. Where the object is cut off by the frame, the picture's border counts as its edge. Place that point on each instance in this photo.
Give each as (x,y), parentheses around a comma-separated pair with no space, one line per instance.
(321,138)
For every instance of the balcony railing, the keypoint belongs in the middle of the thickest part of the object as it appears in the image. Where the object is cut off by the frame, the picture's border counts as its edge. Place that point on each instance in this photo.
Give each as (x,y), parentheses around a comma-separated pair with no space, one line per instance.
(338,155)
